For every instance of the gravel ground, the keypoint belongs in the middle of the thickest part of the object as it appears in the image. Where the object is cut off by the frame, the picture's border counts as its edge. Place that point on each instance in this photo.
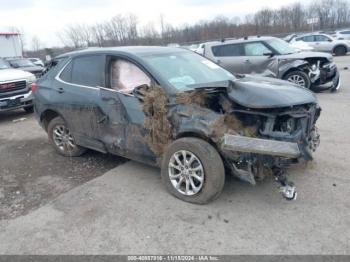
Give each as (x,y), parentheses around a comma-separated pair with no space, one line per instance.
(32,173)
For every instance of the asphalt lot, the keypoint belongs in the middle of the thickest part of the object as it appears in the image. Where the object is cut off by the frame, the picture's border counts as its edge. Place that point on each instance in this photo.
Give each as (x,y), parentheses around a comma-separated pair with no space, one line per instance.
(56,205)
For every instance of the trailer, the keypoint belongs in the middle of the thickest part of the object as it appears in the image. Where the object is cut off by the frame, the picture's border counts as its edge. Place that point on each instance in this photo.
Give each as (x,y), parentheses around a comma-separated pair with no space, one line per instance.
(10,45)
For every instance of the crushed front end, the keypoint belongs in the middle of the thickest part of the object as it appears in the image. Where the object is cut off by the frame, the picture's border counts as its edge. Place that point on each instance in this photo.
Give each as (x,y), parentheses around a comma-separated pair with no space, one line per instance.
(284,136)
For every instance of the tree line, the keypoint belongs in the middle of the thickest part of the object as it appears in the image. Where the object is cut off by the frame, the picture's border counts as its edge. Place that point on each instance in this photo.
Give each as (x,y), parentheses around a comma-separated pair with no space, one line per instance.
(126,30)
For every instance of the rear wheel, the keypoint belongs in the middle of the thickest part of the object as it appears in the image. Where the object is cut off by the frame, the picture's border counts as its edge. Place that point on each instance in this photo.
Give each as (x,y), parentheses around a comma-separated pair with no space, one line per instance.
(62,140)
(193,171)
(340,50)
(298,77)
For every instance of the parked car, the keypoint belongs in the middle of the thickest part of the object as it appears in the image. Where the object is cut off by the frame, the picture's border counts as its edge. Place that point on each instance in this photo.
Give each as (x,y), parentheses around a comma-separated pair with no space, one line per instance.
(37,61)
(172,108)
(342,34)
(325,43)
(301,46)
(15,91)
(26,65)
(273,57)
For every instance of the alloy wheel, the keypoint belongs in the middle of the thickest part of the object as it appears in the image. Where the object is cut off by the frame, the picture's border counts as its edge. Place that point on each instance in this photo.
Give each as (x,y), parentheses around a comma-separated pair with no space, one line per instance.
(186,172)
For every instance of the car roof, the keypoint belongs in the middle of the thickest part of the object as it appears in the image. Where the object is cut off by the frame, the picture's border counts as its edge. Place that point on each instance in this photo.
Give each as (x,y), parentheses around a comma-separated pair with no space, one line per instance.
(242,40)
(132,50)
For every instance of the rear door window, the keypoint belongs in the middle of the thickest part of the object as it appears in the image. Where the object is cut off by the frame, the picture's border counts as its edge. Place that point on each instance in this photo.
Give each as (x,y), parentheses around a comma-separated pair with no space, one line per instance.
(309,38)
(256,49)
(228,50)
(85,71)
(321,38)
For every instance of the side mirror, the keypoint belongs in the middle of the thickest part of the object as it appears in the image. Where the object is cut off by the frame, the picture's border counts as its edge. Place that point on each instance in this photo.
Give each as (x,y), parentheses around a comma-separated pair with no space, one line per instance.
(140,91)
(15,66)
(330,40)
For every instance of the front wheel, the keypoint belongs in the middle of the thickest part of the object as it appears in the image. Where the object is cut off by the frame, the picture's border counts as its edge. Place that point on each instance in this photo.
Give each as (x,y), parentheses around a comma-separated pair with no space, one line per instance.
(298,77)
(61,138)
(193,171)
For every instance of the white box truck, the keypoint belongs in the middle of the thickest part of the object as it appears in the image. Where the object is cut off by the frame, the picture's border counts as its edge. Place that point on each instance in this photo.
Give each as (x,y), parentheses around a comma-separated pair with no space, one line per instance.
(10,45)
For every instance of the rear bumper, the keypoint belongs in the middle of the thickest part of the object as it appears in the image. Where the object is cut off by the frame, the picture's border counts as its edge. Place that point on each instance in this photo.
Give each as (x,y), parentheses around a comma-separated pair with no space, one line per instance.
(16,102)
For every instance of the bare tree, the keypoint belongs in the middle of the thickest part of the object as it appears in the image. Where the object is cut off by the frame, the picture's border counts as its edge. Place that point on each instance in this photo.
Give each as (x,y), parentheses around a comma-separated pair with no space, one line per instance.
(36,44)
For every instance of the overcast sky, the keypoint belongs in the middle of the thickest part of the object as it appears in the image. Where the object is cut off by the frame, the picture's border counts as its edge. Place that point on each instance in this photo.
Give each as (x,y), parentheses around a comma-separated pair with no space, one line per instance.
(46,18)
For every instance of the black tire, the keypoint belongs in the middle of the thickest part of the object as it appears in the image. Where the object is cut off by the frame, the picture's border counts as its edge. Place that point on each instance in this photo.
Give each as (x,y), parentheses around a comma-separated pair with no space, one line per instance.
(340,50)
(71,152)
(213,167)
(29,109)
(300,74)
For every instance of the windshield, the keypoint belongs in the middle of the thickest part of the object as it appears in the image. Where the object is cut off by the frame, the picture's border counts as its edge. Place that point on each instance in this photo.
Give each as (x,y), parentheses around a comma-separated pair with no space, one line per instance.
(21,63)
(184,69)
(4,64)
(282,47)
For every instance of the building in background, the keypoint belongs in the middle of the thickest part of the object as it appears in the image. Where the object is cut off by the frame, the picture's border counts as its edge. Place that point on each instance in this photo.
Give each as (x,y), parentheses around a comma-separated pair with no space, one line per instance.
(10,45)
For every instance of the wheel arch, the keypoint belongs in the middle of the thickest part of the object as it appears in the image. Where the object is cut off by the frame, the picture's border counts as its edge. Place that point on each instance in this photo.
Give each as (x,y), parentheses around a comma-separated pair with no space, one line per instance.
(340,45)
(47,116)
(197,134)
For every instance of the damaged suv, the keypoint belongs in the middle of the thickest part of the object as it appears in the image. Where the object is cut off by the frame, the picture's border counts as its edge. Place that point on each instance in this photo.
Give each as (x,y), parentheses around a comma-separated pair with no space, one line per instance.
(177,110)
(273,57)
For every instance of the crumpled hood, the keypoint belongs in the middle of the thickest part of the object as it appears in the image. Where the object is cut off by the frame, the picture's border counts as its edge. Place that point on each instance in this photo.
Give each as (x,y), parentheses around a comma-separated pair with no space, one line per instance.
(264,92)
(13,74)
(303,55)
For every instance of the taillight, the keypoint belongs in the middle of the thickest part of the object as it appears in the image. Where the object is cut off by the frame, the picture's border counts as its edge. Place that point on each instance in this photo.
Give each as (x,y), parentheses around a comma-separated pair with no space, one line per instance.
(34,87)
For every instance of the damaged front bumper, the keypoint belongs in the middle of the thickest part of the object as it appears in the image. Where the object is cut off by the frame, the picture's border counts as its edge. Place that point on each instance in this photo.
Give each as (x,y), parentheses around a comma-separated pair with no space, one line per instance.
(260,146)
(326,77)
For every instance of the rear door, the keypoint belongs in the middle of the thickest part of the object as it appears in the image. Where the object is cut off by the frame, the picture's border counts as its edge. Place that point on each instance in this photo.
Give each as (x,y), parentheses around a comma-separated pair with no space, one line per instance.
(310,40)
(231,57)
(77,96)
(323,43)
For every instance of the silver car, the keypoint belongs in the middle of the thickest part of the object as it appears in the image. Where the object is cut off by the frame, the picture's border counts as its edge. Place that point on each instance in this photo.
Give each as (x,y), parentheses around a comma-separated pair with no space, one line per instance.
(273,57)
(326,43)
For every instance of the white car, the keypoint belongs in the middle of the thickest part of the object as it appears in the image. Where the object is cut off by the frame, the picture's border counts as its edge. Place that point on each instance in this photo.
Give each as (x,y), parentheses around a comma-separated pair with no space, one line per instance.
(325,43)
(15,88)
(342,34)
(301,46)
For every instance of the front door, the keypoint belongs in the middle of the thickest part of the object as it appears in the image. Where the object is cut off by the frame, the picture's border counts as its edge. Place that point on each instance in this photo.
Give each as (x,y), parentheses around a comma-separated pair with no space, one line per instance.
(258,61)
(124,112)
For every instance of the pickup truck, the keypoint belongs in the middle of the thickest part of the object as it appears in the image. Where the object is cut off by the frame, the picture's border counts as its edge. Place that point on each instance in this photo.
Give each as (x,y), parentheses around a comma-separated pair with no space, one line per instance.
(15,88)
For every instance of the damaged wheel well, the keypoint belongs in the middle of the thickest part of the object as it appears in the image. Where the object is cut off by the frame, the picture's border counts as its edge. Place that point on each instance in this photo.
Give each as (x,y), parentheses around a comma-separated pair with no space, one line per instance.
(197,135)
(47,116)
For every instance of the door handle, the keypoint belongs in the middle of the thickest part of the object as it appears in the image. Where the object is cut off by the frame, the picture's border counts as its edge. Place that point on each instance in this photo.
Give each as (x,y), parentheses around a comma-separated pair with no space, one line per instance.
(247,61)
(102,119)
(60,90)
(218,62)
